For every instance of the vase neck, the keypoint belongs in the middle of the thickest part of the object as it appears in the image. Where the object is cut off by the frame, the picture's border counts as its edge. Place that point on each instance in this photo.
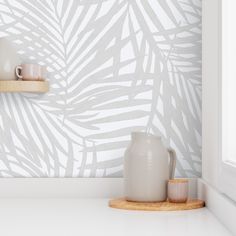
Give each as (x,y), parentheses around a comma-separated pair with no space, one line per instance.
(144,137)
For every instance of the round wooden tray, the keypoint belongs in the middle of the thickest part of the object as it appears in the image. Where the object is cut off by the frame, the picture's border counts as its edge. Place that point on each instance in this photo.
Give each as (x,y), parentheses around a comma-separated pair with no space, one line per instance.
(121,203)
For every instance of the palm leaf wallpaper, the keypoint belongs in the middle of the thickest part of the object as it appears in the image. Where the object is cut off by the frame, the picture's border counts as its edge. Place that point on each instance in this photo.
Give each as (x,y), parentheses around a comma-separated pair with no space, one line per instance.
(115,66)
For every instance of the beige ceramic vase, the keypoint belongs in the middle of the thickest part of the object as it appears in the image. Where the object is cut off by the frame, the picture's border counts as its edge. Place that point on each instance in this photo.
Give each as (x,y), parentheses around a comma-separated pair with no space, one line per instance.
(8,60)
(148,166)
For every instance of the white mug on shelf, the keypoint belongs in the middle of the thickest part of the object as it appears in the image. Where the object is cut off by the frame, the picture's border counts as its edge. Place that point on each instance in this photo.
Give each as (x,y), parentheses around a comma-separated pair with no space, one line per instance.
(31,72)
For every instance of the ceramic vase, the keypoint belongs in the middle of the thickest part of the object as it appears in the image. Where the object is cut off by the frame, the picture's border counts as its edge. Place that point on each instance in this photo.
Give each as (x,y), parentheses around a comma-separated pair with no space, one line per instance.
(8,60)
(148,165)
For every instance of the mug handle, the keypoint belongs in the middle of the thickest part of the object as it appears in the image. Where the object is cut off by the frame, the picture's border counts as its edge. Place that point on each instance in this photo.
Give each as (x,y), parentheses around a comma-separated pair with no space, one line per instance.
(19,68)
(172,155)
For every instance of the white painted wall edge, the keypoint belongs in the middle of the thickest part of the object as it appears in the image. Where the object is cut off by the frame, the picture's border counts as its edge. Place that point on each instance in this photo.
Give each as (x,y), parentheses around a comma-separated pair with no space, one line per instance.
(210,90)
(68,187)
(219,204)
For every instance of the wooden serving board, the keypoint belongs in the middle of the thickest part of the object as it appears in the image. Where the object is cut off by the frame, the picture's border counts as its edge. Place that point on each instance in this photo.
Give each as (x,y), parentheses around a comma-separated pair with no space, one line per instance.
(121,203)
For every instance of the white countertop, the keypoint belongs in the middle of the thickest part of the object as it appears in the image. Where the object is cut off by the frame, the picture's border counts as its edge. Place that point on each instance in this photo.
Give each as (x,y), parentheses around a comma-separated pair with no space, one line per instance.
(92,217)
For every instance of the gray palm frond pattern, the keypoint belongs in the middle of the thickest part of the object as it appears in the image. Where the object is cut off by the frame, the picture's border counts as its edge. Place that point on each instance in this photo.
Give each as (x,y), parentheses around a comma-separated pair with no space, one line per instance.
(114,67)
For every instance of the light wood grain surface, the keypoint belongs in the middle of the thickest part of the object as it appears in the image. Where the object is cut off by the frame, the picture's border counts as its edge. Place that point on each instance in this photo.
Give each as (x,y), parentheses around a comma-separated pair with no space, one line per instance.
(121,203)
(24,86)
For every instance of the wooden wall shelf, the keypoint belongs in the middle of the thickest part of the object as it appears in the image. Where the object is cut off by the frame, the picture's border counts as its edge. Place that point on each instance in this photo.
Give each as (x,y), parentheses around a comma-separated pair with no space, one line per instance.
(17,86)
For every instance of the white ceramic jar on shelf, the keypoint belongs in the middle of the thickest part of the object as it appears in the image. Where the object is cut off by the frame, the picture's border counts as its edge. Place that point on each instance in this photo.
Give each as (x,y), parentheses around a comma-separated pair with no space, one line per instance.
(8,60)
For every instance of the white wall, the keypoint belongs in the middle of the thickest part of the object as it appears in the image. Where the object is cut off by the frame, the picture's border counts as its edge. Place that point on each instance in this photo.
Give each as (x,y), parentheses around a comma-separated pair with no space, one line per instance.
(210,84)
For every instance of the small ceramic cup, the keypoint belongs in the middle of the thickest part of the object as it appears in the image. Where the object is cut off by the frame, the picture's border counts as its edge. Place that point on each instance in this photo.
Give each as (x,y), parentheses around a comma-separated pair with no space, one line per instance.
(31,72)
(178,190)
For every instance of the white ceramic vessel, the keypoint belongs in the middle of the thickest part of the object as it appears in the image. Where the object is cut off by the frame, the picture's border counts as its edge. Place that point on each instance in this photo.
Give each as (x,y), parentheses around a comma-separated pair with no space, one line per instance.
(148,166)
(31,72)
(8,60)
(178,190)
